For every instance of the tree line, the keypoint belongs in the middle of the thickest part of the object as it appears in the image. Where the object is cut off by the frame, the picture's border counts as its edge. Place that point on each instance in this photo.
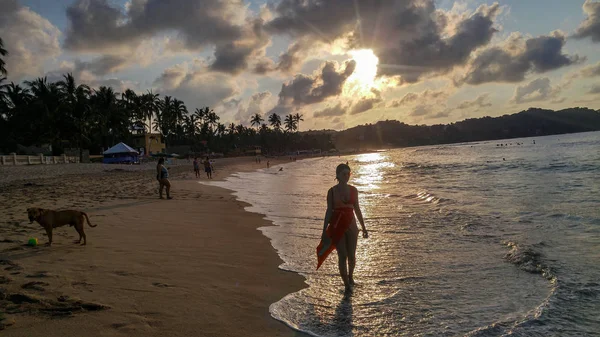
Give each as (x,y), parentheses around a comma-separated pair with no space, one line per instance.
(533,122)
(69,114)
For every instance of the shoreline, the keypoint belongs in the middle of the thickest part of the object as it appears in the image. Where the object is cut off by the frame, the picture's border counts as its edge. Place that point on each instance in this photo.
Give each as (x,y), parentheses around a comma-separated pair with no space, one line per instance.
(141,239)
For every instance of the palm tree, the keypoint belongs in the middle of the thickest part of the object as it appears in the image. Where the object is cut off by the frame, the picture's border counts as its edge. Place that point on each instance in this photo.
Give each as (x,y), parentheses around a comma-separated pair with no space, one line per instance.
(3,52)
(264,128)
(298,118)
(3,87)
(221,129)
(290,123)
(231,128)
(178,111)
(16,96)
(152,106)
(275,121)
(112,119)
(240,129)
(256,120)
(76,101)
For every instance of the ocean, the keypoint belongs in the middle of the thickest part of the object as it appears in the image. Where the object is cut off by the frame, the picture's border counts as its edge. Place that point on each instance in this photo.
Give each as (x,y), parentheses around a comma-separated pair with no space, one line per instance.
(472,239)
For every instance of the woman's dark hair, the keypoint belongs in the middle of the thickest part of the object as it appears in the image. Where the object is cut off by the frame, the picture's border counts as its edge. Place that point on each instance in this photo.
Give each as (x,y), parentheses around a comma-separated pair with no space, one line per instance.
(161,160)
(340,168)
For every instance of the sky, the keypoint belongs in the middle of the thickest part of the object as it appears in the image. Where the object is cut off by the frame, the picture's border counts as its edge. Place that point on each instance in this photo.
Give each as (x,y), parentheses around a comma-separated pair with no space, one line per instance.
(339,63)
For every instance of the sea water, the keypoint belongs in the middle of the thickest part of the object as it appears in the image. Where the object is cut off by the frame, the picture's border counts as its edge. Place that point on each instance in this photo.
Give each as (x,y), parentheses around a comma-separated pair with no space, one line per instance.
(472,239)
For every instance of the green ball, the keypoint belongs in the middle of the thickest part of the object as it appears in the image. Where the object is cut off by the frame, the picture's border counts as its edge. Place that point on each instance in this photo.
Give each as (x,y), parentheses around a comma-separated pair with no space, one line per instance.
(32,242)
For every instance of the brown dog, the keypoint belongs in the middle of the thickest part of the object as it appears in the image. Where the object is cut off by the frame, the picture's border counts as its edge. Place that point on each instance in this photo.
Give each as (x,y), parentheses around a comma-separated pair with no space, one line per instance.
(50,219)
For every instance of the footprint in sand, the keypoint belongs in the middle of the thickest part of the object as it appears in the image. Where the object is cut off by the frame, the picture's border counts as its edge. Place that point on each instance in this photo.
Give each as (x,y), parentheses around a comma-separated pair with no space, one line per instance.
(39,274)
(84,285)
(162,285)
(10,265)
(122,273)
(36,285)
(5,280)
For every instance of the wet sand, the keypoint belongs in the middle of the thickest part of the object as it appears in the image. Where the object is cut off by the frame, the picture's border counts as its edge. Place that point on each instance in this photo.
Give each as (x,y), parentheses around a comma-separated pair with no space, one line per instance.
(192,266)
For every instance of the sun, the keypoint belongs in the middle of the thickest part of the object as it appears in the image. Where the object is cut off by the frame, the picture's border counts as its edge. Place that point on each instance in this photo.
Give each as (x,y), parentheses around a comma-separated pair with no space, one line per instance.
(363,77)
(366,66)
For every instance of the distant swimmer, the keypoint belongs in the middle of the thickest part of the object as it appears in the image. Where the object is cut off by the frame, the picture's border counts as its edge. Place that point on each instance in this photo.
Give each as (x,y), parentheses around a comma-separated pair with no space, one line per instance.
(339,226)
(281,169)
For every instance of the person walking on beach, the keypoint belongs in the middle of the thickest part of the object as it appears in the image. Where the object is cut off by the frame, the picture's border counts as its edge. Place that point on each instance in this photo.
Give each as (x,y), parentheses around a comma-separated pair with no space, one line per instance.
(339,226)
(196,167)
(162,175)
(208,168)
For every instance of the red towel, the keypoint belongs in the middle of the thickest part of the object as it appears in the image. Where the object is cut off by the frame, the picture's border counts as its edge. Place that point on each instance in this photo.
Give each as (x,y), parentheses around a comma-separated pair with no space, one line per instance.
(340,222)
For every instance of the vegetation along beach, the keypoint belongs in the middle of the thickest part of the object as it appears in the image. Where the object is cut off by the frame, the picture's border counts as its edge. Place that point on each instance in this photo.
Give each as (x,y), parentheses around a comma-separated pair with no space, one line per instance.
(299,168)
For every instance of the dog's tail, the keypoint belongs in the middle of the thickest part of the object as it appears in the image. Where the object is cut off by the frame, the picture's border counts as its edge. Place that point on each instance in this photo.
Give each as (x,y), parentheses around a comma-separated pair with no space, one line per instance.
(88,220)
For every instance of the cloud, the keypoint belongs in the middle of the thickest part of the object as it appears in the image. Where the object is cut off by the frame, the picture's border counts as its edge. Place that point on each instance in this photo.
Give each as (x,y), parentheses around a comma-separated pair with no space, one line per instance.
(421,110)
(29,38)
(590,27)
(518,57)
(591,70)
(429,112)
(304,90)
(595,89)
(424,96)
(536,90)
(331,111)
(365,104)
(410,37)
(482,101)
(98,26)
(103,65)
(255,105)
(196,86)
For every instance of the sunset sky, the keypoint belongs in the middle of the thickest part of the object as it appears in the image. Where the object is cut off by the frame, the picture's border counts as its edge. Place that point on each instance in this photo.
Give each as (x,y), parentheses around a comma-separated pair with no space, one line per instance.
(338,62)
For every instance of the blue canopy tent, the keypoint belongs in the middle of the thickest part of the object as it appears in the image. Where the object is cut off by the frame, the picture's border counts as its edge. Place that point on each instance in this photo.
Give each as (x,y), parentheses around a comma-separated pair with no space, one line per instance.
(120,154)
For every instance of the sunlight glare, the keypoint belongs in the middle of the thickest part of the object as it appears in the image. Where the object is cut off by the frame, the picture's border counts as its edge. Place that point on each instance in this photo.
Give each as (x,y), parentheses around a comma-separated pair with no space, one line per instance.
(366,68)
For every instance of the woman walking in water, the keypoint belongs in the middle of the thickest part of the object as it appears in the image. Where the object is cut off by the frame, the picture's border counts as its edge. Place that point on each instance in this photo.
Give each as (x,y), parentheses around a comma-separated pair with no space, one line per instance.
(162,175)
(339,228)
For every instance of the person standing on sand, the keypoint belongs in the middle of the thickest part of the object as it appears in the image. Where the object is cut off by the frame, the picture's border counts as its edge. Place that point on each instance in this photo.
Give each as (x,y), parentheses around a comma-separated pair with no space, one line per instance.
(196,167)
(208,168)
(339,227)
(162,175)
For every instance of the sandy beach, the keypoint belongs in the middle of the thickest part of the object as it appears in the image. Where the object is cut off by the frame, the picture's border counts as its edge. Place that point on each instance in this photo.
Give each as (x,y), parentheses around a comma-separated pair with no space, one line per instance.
(192,266)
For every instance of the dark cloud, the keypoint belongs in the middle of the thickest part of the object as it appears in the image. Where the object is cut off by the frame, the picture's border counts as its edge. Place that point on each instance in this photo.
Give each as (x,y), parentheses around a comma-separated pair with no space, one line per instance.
(590,27)
(513,62)
(410,37)
(536,90)
(337,110)
(482,101)
(304,90)
(98,26)
(364,104)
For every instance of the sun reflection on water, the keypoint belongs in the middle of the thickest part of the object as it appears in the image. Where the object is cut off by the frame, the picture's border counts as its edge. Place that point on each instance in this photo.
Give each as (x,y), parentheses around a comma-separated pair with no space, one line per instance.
(370,172)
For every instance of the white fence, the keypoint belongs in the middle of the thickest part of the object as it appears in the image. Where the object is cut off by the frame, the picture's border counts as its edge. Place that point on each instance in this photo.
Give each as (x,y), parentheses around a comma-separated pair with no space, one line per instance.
(14,159)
